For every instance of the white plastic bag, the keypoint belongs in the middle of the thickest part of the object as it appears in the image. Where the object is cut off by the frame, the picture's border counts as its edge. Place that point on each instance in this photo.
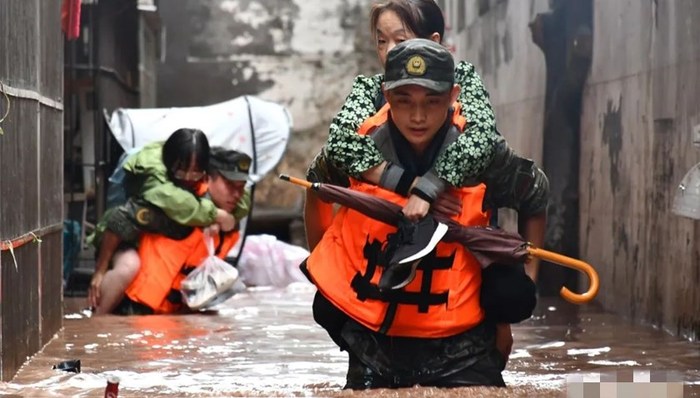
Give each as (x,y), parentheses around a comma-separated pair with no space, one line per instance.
(266,261)
(211,278)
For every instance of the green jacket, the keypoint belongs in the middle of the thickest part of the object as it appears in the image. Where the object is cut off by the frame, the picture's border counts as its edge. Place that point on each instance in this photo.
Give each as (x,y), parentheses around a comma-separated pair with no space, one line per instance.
(151,183)
(243,207)
(148,181)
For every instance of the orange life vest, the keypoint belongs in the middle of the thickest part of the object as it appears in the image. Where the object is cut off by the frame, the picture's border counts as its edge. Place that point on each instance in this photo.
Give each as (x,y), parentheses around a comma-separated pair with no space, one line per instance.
(443,299)
(164,263)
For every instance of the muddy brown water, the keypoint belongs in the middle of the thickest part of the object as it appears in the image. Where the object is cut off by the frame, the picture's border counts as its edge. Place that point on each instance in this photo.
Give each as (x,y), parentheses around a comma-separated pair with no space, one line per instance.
(264,343)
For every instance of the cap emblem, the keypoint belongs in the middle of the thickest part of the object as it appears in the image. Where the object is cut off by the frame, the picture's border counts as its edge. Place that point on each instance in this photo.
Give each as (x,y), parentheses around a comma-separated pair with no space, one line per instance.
(416,66)
(144,216)
(244,164)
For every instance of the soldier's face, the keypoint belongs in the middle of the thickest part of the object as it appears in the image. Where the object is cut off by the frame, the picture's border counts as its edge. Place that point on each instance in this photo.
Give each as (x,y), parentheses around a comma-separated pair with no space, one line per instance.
(225,193)
(419,113)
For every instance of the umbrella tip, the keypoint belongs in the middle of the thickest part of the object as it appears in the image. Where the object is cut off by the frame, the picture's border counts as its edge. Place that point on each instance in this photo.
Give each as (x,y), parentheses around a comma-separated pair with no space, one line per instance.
(284,177)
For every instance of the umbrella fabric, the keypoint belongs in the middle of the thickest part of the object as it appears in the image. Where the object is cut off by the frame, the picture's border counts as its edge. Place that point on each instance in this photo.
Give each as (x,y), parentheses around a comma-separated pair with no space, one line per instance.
(489,245)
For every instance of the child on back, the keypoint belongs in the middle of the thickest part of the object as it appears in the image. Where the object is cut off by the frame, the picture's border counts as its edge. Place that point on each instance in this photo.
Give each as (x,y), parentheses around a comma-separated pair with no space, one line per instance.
(165,177)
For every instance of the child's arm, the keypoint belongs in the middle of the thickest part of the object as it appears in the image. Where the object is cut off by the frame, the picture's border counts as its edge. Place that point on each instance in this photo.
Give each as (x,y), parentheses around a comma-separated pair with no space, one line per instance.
(243,206)
(178,204)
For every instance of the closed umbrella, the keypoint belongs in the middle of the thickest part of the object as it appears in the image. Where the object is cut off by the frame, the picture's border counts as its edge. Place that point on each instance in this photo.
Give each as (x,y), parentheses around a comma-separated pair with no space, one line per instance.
(488,245)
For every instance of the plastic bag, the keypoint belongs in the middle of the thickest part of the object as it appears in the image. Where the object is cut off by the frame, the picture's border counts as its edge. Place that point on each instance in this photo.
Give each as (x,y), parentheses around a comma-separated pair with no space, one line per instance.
(211,278)
(266,261)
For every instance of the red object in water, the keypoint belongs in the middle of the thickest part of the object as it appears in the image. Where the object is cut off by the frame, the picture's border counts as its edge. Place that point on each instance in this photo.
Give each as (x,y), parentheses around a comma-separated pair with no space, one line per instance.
(112,389)
(70,18)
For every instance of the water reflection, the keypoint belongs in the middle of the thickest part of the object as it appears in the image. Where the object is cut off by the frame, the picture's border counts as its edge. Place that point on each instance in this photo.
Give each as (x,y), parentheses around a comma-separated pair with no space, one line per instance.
(265,343)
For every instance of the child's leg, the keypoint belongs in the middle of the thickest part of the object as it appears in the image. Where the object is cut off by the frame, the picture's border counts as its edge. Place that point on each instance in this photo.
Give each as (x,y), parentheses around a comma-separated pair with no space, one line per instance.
(115,281)
(108,246)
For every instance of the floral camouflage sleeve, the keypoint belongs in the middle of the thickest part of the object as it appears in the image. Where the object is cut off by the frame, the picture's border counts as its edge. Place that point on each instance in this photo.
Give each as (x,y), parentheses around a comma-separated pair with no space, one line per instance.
(473,151)
(468,157)
(349,151)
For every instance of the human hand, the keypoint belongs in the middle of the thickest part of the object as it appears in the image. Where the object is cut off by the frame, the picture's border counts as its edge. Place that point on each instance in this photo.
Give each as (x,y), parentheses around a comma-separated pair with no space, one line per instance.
(504,340)
(416,208)
(225,220)
(94,289)
(447,204)
(212,229)
(532,266)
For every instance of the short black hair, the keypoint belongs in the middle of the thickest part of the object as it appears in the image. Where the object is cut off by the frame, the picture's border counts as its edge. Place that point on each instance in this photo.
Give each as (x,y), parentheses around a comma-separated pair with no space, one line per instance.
(179,148)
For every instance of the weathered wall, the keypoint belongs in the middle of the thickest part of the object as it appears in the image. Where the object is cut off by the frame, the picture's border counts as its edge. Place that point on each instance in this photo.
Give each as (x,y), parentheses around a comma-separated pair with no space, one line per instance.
(642,99)
(31,184)
(641,102)
(301,53)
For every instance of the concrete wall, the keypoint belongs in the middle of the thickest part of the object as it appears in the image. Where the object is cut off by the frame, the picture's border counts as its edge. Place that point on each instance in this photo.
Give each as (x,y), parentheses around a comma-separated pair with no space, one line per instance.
(641,102)
(301,53)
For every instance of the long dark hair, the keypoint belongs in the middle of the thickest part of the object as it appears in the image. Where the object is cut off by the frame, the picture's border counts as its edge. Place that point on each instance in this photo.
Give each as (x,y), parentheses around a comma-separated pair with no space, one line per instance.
(422,17)
(179,148)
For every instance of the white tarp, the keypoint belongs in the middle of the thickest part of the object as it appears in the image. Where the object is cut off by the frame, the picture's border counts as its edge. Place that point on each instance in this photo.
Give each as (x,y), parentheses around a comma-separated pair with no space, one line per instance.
(225,124)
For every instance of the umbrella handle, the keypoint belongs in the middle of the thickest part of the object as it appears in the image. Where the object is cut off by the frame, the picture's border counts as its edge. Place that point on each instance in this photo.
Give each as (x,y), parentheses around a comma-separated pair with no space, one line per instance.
(573,263)
(298,181)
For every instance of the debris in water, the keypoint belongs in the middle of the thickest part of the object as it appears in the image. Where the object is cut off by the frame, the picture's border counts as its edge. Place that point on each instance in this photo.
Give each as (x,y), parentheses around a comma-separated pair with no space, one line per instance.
(72,365)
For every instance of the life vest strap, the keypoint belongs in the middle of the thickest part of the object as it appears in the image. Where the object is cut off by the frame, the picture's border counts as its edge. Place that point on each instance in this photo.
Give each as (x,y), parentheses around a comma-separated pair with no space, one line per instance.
(366,290)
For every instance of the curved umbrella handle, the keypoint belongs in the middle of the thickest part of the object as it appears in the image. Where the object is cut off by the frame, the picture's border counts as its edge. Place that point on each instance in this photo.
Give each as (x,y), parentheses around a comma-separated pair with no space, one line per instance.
(573,263)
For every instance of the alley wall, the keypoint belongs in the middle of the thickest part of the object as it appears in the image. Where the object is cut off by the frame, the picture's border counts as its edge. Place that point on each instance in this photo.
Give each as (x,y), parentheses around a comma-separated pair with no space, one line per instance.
(31,179)
(640,105)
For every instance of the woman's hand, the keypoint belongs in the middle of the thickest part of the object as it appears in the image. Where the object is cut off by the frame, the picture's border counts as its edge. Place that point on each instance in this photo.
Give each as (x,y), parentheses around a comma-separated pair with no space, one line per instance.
(447,204)
(225,220)
(416,208)
(94,289)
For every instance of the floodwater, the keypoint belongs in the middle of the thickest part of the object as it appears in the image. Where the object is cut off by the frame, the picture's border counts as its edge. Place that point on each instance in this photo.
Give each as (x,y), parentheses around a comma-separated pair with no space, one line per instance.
(264,343)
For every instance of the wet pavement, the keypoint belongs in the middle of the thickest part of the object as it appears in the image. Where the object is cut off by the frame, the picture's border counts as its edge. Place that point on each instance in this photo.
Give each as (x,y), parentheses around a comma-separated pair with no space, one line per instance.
(264,343)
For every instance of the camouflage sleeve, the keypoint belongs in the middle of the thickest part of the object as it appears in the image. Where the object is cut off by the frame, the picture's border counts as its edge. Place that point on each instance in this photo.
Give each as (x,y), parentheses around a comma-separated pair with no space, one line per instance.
(515,182)
(473,151)
(351,152)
